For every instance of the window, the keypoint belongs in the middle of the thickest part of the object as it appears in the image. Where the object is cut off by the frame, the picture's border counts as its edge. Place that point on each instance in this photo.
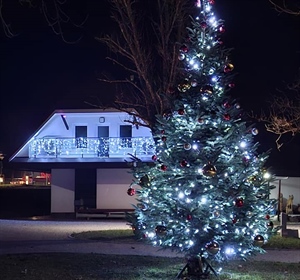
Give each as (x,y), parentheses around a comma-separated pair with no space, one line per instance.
(81,136)
(125,135)
(103,135)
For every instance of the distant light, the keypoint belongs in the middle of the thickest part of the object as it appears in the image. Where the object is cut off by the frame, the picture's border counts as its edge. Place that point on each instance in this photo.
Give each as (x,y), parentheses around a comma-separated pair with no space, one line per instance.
(243,144)
(212,19)
(229,251)
(208,8)
(214,79)
(151,234)
(181,195)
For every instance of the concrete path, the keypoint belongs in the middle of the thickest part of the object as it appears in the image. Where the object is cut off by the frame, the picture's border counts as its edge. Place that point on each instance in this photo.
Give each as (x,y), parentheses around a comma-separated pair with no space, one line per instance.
(27,236)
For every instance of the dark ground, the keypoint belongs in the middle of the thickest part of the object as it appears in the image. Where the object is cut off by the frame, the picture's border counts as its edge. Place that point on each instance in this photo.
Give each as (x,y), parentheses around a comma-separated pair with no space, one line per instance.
(24,201)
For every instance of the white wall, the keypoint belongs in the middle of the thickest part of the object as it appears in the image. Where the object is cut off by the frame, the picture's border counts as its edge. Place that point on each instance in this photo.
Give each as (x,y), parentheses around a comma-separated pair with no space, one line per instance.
(62,190)
(56,127)
(289,186)
(112,186)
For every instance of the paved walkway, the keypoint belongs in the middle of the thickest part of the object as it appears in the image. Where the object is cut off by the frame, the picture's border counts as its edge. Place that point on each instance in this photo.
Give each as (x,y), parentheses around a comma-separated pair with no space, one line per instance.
(27,236)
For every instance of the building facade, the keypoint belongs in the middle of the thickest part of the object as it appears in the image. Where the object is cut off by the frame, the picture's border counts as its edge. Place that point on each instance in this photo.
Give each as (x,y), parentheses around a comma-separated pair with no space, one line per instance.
(89,154)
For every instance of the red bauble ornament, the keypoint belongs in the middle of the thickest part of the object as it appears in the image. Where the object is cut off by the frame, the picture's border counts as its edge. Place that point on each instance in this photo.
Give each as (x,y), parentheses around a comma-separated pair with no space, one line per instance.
(154,157)
(163,167)
(227,117)
(211,2)
(228,68)
(131,191)
(183,163)
(234,220)
(226,104)
(164,138)
(267,216)
(203,25)
(189,217)
(181,112)
(170,90)
(239,202)
(222,29)
(200,120)
(246,160)
(213,248)
(220,41)
(184,49)
(162,132)
(231,85)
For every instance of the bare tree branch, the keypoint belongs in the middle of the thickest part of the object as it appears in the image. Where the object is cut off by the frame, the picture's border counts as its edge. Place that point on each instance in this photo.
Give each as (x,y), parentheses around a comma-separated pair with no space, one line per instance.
(6,27)
(146,51)
(283,117)
(283,7)
(54,14)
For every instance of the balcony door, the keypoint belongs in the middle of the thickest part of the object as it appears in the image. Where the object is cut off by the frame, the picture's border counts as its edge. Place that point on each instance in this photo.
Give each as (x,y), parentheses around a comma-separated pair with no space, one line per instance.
(81,136)
(125,135)
(103,135)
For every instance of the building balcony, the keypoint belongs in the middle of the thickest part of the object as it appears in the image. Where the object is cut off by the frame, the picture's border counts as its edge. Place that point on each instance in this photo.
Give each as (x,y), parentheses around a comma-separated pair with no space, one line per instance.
(88,147)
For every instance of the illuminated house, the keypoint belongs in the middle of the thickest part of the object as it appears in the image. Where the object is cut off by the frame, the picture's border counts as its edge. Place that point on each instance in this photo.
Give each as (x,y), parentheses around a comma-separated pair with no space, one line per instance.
(89,154)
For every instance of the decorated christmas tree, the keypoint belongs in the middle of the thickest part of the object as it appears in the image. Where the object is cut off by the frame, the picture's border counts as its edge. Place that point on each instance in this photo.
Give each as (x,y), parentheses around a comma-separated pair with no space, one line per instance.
(206,193)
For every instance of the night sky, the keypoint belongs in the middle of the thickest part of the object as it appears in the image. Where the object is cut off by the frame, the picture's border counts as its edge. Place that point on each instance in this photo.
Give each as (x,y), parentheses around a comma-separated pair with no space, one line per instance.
(40,73)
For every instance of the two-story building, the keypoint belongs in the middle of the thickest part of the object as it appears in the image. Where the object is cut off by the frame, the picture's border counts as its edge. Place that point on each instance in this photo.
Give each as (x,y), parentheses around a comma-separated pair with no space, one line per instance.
(88,153)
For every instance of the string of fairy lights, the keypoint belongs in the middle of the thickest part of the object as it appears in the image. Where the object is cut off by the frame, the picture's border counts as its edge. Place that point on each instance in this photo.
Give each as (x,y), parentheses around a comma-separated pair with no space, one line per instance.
(97,147)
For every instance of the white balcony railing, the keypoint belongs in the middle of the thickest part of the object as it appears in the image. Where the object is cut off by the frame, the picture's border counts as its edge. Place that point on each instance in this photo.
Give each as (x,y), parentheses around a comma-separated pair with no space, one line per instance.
(91,147)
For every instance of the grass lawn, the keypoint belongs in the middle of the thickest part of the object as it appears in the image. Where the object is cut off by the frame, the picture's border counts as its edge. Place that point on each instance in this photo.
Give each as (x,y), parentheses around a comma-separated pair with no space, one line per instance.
(126,235)
(66,266)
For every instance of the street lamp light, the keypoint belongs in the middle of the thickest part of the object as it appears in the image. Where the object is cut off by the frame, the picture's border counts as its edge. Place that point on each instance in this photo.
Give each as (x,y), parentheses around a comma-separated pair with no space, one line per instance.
(1,168)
